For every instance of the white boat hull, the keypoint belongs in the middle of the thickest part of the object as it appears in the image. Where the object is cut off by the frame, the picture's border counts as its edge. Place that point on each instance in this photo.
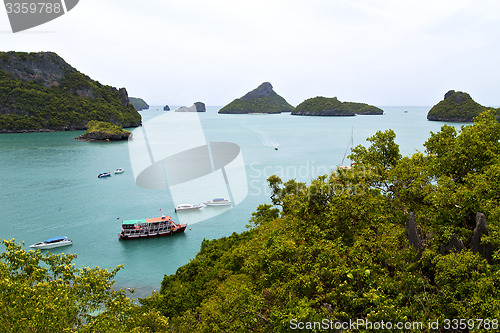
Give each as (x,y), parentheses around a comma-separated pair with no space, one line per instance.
(188,207)
(44,246)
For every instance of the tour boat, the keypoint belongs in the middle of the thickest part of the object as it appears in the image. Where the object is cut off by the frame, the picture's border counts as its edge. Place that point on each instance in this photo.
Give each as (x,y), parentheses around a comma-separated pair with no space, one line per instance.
(119,170)
(218,202)
(104,174)
(154,227)
(187,207)
(52,242)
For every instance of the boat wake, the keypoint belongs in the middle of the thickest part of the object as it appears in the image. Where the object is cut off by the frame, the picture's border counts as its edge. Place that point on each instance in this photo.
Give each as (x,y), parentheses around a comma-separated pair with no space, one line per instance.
(265,138)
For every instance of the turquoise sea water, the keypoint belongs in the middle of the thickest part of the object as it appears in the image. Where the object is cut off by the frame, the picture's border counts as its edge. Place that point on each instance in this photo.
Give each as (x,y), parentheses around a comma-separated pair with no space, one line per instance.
(49,185)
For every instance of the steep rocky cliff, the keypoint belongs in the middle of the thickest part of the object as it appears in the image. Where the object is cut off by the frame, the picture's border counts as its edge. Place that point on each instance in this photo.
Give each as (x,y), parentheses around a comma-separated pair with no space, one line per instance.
(41,92)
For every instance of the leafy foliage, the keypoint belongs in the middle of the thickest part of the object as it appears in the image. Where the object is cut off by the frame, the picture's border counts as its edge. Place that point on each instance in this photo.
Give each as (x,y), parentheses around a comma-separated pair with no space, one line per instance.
(46,293)
(336,248)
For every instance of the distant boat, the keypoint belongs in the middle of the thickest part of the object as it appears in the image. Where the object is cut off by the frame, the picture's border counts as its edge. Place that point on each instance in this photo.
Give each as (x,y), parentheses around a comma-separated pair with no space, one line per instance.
(406,111)
(155,227)
(104,174)
(187,207)
(119,170)
(275,147)
(218,202)
(52,243)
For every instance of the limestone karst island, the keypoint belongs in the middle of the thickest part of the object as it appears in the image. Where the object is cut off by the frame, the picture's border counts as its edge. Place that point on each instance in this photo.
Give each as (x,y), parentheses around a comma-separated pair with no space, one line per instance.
(41,92)
(457,106)
(263,99)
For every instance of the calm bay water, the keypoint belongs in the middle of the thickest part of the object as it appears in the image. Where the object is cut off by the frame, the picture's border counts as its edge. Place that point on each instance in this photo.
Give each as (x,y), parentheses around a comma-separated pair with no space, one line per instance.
(49,185)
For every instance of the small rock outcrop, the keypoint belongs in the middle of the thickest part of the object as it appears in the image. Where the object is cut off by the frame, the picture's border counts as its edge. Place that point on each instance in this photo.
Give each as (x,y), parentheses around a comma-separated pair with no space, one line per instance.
(166,108)
(455,245)
(457,106)
(196,107)
(331,106)
(411,232)
(263,99)
(103,131)
(485,250)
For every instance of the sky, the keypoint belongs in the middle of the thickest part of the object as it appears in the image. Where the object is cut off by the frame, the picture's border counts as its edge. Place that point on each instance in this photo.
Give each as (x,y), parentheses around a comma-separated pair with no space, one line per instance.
(381,52)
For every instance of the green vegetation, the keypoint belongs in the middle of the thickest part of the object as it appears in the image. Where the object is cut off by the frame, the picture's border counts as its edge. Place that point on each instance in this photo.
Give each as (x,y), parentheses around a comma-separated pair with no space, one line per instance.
(46,293)
(138,103)
(58,97)
(363,108)
(100,130)
(263,99)
(326,106)
(336,249)
(457,106)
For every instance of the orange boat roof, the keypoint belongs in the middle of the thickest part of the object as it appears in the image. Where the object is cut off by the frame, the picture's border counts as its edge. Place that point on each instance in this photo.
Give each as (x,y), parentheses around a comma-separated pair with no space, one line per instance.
(159,219)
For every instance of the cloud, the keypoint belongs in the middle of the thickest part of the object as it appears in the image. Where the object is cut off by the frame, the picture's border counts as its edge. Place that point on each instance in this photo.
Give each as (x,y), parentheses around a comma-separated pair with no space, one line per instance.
(378,51)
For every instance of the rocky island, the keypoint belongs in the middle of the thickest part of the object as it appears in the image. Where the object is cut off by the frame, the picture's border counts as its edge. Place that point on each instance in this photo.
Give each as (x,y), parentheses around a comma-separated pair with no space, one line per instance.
(166,108)
(138,103)
(103,131)
(263,99)
(41,92)
(196,107)
(456,106)
(331,106)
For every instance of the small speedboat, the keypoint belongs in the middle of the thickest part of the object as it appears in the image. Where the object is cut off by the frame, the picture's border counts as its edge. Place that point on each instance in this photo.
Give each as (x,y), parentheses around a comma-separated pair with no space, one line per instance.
(52,243)
(104,174)
(187,207)
(218,202)
(119,170)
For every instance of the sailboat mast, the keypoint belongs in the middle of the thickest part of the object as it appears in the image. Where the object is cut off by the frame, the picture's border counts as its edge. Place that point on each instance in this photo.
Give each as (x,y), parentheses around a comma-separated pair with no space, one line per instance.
(349,145)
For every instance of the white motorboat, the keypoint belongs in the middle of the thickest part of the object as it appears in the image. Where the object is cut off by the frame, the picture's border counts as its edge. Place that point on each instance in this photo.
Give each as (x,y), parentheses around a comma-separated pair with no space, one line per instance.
(119,170)
(187,207)
(218,202)
(52,243)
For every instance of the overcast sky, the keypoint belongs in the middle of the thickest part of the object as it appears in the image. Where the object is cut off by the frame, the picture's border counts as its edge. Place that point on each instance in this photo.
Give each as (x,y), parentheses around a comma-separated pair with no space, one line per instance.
(382,52)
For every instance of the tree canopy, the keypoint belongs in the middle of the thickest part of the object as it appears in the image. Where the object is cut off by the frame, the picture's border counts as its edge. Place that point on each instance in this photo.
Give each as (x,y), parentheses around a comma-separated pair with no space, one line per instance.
(337,248)
(44,292)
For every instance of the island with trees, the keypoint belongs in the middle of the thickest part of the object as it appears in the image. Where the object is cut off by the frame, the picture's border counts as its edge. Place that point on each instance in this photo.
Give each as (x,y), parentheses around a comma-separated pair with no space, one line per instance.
(263,99)
(331,106)
(41,92)
(138,103)
(457,106)
(103,131)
